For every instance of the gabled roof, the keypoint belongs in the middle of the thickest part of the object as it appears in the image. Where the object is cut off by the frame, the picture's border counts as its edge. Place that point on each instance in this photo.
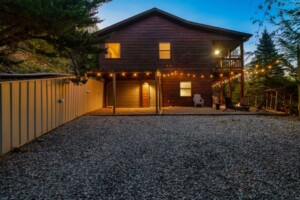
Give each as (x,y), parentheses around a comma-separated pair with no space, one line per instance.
(173,18)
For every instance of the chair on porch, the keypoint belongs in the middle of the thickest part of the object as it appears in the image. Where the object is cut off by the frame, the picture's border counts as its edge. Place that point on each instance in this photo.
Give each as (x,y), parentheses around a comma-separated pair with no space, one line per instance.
(229,104)
(198,100)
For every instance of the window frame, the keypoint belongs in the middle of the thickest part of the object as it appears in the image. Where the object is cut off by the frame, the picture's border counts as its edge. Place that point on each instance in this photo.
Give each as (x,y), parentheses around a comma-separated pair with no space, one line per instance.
(185,88)
(106,45)
(159,51)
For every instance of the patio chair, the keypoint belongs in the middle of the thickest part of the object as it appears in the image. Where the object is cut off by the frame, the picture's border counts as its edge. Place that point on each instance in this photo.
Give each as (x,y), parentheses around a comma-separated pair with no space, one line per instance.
(198,100)
(229,104)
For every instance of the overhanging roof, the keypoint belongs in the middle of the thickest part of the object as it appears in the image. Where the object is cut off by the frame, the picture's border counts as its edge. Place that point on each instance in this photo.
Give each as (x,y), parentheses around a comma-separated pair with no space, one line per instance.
(175,19)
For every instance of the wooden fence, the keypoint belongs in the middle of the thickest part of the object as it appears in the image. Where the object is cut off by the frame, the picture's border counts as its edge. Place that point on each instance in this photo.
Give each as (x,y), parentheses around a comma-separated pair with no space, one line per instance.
(30,108)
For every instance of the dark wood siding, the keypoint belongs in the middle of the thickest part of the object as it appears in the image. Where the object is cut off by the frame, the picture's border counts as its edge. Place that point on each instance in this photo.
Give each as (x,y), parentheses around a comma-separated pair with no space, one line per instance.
(191,51)
(139,46)
(171,91)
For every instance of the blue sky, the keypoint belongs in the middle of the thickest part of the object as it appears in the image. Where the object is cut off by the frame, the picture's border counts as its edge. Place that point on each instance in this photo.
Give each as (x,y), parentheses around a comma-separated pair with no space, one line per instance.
(230,14)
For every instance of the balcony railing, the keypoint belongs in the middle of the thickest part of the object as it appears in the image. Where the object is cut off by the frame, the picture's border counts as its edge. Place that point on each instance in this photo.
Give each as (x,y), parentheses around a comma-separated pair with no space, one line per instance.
(227,64)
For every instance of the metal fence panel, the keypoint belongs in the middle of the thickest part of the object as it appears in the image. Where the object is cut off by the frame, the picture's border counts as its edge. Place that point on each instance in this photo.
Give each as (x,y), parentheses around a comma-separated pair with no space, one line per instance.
(30,108)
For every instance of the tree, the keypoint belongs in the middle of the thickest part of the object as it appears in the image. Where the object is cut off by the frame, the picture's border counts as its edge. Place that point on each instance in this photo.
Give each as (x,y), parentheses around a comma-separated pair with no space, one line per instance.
(285,16)
(62,23)
(44,19)
(266,66)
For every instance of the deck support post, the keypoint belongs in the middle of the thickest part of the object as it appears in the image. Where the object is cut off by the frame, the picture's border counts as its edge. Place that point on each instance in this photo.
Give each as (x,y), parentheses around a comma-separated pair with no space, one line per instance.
(276,100)
(230,82)
(156,93)
(242,70)
(114,93)
(221,93)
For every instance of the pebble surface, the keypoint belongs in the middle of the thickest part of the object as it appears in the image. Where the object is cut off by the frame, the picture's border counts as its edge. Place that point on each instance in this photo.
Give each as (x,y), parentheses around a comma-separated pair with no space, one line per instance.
(158,157)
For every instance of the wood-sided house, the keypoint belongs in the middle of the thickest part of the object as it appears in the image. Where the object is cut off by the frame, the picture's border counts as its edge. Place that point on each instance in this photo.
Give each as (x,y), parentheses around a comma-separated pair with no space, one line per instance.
(158,59)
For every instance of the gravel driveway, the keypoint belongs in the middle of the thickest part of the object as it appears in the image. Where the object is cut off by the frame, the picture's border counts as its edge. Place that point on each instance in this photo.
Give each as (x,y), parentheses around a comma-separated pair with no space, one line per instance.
(158,157)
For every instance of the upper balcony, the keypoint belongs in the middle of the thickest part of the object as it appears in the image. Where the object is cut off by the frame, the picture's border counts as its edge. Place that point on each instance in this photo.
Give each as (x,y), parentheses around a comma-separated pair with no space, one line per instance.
(227,64)
(227,56)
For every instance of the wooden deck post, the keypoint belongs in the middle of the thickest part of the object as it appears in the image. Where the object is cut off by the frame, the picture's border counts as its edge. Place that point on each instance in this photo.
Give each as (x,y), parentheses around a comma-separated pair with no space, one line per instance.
(114,93)
(156,93)
(221,93)
(230,82)
(242,70)
(271,101)
(276,100)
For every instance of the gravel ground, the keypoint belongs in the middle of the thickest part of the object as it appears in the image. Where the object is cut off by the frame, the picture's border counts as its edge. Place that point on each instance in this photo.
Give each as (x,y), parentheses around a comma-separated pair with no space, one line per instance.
(158,157)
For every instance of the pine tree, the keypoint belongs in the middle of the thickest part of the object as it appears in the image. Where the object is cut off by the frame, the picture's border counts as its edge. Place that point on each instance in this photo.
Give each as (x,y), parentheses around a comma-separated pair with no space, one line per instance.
(65,24)
(266,66)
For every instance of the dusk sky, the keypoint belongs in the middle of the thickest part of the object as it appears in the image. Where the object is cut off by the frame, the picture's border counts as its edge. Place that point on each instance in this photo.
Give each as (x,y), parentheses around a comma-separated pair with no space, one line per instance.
(229,14)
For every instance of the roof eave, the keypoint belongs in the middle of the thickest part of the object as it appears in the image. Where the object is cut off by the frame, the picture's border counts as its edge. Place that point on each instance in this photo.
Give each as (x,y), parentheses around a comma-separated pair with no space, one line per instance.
(153,11)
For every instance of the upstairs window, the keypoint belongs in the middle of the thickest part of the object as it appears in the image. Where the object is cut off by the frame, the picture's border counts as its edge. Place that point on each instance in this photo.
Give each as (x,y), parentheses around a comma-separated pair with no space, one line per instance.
(113,50)
(186,89)
(164,50)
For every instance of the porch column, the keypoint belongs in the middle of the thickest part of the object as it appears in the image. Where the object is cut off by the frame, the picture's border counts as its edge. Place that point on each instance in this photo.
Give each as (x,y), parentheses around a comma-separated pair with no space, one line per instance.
(276,100)
(156,93)
(230,87)
(114,93)
(230,82)
(242,70)
(160,93)
(221,93)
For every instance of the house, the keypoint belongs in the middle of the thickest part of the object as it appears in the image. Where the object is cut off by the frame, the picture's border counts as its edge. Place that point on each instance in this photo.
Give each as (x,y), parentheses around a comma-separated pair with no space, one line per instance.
(156,59)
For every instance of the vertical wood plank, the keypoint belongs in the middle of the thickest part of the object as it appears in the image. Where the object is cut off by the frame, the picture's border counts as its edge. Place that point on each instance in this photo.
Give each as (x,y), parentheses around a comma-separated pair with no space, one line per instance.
(31,110)
(15,104)
(57,113)
(44,106)
(70,110)
(38,110)
(66,102)
(24,111)
(49,105)
(53,103)
(6,119)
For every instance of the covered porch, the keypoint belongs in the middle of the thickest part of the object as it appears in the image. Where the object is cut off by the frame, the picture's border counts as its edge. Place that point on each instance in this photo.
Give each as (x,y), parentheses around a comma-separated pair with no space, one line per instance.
(177,110)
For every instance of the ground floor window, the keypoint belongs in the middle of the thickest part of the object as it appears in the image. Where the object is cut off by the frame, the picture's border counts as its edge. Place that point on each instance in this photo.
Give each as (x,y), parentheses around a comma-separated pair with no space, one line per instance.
(186,89)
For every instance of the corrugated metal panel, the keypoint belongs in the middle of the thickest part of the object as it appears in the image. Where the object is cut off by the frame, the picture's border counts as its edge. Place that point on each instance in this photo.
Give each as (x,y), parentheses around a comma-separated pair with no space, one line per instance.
(31,108)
